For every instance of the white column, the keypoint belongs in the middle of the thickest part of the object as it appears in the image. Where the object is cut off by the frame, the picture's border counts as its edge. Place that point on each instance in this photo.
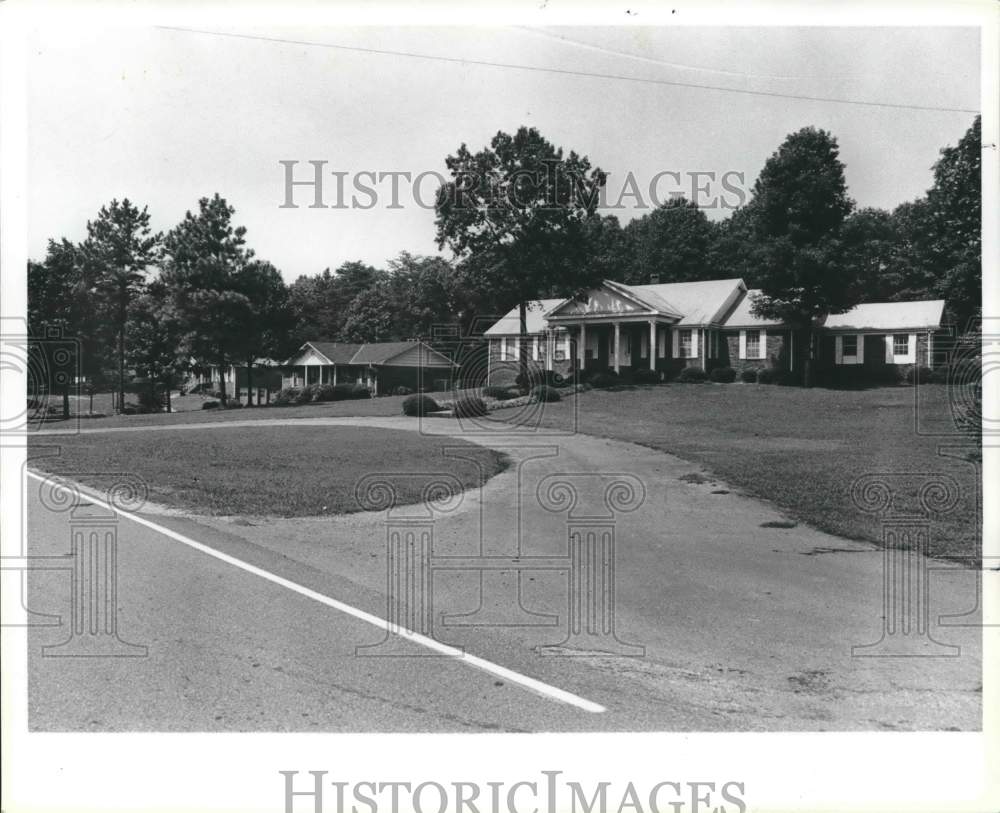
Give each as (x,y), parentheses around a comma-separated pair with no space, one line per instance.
(334,373)
(550,348)
(930,350)
(618,337)
(652,344)
(581,348)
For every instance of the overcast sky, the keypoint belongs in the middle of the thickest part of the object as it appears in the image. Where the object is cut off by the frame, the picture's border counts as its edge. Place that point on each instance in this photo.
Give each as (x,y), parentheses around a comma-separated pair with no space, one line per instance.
(164,117)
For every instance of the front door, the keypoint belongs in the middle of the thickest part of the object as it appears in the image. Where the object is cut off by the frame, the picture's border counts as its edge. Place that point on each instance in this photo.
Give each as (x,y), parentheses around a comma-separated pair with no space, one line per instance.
(626,340)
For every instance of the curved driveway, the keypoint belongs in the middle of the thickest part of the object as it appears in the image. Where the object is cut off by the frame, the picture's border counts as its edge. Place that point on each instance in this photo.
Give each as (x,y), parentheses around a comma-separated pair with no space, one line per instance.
(722,622)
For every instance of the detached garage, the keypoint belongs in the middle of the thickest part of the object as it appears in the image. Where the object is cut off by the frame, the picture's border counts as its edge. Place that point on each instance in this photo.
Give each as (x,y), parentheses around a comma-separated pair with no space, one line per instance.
(381,366)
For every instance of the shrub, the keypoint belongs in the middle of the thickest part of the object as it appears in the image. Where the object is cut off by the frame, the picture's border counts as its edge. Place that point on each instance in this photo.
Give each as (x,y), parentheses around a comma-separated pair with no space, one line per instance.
(499,393)
(325,392)
(402,391)
(748,376)
(342,392)
(605,379)
(546,394)
(692,375)
(918,375)
(939,375)
(723,375)
(306,394)
(149,402)
(469,406)
(644,376)
(418,405)
(767,376)
(128,409)
(360,391)
(287,396)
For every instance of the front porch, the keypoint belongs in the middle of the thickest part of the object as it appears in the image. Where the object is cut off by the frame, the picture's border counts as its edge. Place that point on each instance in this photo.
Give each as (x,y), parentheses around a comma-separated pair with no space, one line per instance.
(621,346)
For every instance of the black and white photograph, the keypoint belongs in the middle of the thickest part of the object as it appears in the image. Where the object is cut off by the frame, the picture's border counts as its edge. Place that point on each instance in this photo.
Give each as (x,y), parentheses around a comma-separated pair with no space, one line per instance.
(552,410)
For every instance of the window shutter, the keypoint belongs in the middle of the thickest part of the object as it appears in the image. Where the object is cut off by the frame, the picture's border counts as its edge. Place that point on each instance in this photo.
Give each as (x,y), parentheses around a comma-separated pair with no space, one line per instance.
(675,333)
(861,348)
(644,345)
(661,342)
(503,349)
(762,353)
(534,349)
(838,344)
(567,351)
(888,348)
(743,344)
(694,343)
(517,349)
(911,349)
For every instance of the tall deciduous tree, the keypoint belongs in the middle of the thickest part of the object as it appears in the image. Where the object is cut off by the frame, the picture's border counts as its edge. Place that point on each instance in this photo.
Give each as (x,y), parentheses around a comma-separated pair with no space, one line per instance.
(954,205)
(799,205)
(120,247)
(520,202)
(670,244)
(60,305)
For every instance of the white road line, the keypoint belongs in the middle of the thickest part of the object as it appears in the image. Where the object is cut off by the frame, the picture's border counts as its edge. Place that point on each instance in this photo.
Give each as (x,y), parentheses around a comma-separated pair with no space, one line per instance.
(544,689)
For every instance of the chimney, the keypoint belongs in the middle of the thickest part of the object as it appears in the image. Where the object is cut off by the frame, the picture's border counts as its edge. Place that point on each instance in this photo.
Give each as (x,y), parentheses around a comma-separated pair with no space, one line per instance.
(654,279)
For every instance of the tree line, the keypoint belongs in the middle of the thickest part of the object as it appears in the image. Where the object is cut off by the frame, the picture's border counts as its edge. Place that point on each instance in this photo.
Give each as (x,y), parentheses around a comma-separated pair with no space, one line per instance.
(152,307)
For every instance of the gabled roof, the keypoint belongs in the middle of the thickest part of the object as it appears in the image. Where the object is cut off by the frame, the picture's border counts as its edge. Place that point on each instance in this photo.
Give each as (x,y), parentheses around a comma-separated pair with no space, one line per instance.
(698,303)
(369,353)
(510,323)
(742,315)
(334,352)
(878,316)
(691,303)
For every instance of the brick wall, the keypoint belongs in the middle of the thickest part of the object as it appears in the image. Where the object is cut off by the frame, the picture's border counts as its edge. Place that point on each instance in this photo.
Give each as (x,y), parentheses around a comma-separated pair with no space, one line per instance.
(776,352)
(502,373)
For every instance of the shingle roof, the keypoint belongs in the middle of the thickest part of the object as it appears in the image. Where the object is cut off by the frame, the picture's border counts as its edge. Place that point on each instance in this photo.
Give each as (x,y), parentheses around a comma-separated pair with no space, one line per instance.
(337,352)
(380,352)
(923,314)
(742,315)
(699,302)
(369,353)
(510,324)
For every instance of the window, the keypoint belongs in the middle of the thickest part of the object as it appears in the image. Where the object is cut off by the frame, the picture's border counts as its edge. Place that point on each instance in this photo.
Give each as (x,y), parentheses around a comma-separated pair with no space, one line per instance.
(901,348)
(850,349)
(685,343)
(753,344)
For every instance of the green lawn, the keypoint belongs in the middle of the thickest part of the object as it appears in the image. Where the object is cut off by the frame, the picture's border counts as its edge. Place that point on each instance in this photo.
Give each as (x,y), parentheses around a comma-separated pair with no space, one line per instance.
(802,449)
(192,413)
(271,470)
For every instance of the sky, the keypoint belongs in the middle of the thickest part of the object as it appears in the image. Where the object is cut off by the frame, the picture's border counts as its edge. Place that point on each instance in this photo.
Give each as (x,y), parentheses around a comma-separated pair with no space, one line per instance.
(165,117)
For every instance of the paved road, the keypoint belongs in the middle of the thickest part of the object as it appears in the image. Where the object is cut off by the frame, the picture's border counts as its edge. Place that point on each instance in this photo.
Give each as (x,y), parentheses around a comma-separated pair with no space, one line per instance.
(742,627)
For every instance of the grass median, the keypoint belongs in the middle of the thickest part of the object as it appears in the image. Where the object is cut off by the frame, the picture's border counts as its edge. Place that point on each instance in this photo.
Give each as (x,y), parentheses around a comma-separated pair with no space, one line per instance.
(283,471)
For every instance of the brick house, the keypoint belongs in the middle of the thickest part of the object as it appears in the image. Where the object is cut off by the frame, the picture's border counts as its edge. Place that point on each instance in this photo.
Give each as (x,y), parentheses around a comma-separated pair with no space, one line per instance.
(708,324)
(381,366)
